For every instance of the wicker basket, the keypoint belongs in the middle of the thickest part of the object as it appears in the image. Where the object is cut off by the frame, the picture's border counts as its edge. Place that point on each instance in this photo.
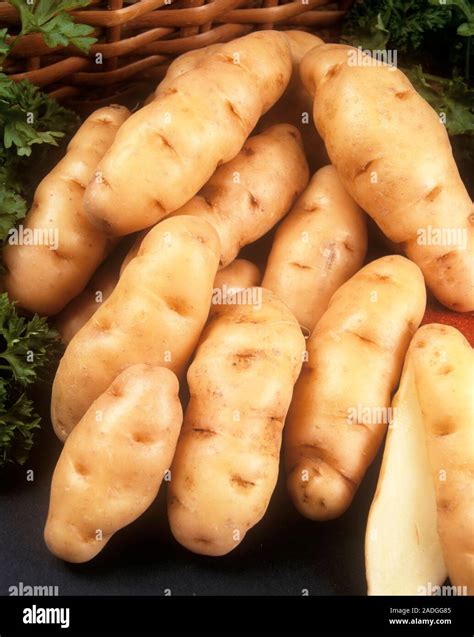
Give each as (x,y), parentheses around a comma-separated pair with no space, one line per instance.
(137,39)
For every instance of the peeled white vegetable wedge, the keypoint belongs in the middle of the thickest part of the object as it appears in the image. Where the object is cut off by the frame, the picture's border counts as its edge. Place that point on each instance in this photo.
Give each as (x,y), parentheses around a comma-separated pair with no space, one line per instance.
(403,554)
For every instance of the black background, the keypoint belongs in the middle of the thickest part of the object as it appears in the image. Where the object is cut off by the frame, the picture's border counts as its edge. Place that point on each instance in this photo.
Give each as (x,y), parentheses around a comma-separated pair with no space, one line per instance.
(284,554)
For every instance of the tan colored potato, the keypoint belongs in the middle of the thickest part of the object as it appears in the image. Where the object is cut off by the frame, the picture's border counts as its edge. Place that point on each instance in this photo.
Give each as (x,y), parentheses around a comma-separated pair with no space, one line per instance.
(170,148)
(226,464)
(155,315)
(79,310)
(245,198)
(403,553)
(296,104)
(395,159)
(112,464)
(238,275)
(235,277)
(133,251)
(43,279)
(338,417)
(318,246)
(186,62)
(443,362)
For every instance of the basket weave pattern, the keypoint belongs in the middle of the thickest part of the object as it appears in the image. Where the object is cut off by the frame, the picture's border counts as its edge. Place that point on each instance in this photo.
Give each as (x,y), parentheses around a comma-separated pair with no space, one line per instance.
(137,39)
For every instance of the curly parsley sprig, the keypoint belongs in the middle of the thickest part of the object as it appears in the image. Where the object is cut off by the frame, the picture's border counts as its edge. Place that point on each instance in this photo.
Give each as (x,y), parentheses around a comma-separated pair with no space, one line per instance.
(27,349)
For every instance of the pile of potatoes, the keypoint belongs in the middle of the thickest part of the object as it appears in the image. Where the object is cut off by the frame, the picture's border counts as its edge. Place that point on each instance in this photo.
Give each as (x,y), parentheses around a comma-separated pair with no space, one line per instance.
(304,353)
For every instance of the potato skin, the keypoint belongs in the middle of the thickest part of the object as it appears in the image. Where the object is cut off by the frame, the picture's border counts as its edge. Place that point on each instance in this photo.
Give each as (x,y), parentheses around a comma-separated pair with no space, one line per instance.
(155,314)
(238,275)
(134,248)
(182,64)
(112,464)
(226,464)
(296,104)
(80,309)
(354,360)
(394,158)
(170,148)
(44,280)
(444,371)
(246,197)
(318,246)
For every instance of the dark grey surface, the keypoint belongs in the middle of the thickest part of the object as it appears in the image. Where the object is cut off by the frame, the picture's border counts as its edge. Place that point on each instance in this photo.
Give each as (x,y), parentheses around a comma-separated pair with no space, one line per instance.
(283,555)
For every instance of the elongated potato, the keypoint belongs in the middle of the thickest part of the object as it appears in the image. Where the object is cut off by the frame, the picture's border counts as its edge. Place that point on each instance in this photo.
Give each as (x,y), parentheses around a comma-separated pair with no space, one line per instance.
(226,462)
(237,275)
(394,158)
(155,314)
(245,198)
(318,246)
(443,362)
(403,554)
(44,277)
(338,416)
(296,104)
(170,148)
(112,465)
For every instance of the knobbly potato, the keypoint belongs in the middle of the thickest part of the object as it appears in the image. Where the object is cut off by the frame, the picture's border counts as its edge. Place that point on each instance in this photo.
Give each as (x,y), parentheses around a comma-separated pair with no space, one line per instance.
(170,148)
(246,197)
(241,382)
(443,362)
(112,464)
(318,246)
(155,314)
(338,416)
(394,157)
(44,277)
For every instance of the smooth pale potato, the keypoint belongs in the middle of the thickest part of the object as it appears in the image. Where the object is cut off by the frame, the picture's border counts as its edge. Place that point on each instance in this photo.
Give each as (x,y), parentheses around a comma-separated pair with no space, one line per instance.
(246,197)
(318,246)
(112,464)
(403,554)
(394,157)
(443,363)
(170,148)
(43,279)
(155,314)
(241,382)
(296,104)
(338,416)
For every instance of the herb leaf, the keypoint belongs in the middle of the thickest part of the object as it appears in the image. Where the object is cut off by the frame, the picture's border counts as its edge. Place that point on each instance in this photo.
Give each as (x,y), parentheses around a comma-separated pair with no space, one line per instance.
(27,347)
(18,422)
(50,18)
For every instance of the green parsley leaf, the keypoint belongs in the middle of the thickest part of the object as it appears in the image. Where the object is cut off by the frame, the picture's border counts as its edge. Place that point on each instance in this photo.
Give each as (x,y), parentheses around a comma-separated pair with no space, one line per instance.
(50,18)
(18,422)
